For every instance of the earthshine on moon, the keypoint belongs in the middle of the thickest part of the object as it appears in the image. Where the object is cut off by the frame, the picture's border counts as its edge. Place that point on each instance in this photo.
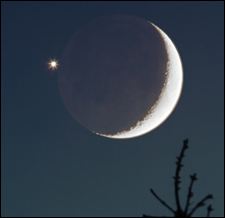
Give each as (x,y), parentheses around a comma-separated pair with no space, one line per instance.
(122,76)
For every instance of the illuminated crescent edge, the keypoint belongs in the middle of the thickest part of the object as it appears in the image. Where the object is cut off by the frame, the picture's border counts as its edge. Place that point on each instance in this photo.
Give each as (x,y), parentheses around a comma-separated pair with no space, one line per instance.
(168,98)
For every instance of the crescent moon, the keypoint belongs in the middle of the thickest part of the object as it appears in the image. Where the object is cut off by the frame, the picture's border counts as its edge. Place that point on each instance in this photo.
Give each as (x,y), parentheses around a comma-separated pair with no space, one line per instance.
(169,97)
(117,63)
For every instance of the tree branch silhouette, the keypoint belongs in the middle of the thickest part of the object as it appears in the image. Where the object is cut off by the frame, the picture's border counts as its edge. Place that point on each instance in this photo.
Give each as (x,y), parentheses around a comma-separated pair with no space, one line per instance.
(209,210)
(179,211)
(190,191)
(162,202)
(200,204)
(177,178)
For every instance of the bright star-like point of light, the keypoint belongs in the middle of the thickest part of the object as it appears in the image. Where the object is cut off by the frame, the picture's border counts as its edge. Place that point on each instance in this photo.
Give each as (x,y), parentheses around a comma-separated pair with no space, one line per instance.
(53,64)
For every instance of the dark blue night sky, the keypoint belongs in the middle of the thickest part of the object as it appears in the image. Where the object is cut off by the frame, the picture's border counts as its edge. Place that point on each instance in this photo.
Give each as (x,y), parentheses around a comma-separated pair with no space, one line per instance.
(52,166)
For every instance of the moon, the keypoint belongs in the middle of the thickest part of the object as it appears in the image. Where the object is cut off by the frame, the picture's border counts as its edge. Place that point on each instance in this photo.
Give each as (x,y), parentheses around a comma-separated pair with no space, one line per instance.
(121,76)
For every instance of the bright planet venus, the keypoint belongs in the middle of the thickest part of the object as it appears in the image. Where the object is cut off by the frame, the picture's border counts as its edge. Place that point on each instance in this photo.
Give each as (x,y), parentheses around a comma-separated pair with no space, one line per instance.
(121,76)
(53,64)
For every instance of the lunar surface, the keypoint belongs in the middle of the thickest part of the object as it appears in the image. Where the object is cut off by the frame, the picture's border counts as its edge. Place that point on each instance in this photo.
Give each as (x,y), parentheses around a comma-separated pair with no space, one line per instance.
(121,76)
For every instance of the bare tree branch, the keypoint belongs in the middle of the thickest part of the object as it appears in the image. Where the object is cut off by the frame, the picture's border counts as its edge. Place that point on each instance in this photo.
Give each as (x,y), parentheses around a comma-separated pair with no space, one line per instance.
(200,204)
(179,211)
(162,202)
(209,210)
(177,177)
(190,192)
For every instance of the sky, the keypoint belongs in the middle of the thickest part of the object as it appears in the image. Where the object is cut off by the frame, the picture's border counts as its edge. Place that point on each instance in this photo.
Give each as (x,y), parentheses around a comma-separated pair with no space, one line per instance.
(52,166)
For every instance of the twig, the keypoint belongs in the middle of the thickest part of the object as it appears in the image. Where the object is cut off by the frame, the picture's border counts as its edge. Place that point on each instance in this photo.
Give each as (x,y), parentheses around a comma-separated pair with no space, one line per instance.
(161,201)
(200,204)
(177,180)
(190,192)
(209,210)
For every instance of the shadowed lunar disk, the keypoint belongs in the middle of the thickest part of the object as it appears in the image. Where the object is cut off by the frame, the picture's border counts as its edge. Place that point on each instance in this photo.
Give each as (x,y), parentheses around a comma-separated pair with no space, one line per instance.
(121,76)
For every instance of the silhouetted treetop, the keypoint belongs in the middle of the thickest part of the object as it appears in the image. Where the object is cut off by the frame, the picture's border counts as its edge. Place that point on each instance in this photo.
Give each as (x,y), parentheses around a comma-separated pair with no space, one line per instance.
(185,210)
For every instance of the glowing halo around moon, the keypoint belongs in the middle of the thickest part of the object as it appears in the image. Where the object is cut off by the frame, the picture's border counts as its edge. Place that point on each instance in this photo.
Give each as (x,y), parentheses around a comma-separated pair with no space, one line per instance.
(168,99)
(122,77)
